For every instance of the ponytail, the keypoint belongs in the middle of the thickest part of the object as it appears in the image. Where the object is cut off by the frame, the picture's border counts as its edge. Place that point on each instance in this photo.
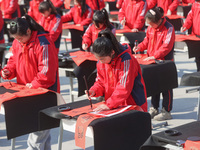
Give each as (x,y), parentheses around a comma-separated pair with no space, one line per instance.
(105,43)
(83,6)
(21,25)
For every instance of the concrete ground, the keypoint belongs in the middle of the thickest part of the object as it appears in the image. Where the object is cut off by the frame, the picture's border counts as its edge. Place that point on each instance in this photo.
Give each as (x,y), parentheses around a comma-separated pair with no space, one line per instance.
(184,109)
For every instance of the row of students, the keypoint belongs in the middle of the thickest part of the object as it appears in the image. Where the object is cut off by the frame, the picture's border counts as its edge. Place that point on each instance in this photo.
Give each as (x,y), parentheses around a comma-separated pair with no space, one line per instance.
(34,64)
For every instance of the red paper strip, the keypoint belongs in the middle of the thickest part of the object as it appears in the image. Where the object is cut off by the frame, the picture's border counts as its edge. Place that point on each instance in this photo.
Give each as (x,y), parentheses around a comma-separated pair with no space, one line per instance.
(114,12)
(140,58)
(123,30)
(72,26)
(174,16)
(180,38)
(81,56)
(81,110)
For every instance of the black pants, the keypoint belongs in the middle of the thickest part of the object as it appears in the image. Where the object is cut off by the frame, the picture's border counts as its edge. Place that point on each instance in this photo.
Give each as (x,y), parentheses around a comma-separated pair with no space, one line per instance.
(197,60)
(167,100)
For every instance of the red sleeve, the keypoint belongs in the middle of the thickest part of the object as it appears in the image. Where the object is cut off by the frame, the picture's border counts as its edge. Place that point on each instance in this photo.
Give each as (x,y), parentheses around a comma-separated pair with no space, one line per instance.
(124,85)
(88,18)
(47,66)
(189,20)
(151,3)
(98,86)
(168,43)
(174,5)
(121,14)
(140,21)
(144,44)
(56,30)
(13,4)
(68,16)
(87,37)
(58,3)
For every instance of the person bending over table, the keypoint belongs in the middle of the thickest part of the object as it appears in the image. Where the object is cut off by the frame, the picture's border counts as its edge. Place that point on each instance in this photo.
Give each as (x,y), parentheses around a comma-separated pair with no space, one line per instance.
(100,21)
(119,75)
(159,42)
(35,64)
(81,14)
(193,21)
(51,22)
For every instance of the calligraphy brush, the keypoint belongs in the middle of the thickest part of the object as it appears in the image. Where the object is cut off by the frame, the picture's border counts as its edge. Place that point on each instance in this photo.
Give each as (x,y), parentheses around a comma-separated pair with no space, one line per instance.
(87,91)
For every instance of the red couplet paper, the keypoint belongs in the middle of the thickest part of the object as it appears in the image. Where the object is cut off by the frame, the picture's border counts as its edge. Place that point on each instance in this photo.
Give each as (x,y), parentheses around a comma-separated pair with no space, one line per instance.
(140,58)
(22,91)
(80,56)
(180,38)
(174,16)
(84,120)
(123,30)
(72,26)
(114,12)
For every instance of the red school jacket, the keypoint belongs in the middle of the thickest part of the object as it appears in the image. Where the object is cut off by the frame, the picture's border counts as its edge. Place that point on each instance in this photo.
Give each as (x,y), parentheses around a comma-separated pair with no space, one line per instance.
(134,12)
(53,24)
(91,34)
(36,64)
(165,5)
(75,14)
(159,42)
(121,81)
(58,3)
(10,9)
(33,10)
(1,28)
(193,19)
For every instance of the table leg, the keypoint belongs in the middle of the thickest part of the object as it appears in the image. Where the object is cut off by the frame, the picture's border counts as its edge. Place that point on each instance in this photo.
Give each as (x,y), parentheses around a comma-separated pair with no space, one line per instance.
(60,137)
(13,144)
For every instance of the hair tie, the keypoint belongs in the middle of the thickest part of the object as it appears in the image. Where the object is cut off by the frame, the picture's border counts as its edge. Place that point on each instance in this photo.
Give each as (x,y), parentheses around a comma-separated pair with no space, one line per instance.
(152,12)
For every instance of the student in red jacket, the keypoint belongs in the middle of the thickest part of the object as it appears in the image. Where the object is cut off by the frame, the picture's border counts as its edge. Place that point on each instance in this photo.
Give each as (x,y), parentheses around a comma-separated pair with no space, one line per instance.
(35,64)
(100,22)
(10,9)
(132,14)
(81,14)
(95,4)
(51,22)
(169,6)
(193,21)
(1,28)
(33,10)
(159,42)
(119,76)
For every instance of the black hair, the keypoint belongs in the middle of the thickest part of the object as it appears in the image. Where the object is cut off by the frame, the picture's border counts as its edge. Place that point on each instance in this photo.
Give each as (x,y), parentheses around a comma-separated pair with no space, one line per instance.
(155,14)
(20,26)
(101,16)
(45,5)
(105,43)
(83,6)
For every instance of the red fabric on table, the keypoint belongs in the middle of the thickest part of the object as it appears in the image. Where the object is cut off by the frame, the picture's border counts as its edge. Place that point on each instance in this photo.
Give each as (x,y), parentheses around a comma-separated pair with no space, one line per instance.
(140,58)
(22,91)
(72,26)
(80,56)
(84,120)
(180,38)
(174,16)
